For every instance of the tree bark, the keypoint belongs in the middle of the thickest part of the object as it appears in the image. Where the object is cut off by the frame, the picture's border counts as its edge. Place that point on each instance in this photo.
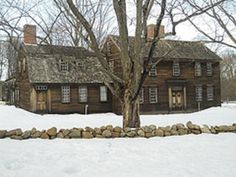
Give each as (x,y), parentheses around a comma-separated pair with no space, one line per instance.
(130,109)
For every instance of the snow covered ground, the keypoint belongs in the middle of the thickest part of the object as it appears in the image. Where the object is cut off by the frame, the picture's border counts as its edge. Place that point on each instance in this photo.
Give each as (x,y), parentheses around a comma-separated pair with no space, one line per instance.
(11,117)
(185,156)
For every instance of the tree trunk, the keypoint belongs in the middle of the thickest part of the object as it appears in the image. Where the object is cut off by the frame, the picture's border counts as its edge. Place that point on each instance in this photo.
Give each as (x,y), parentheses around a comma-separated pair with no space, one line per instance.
(130,111)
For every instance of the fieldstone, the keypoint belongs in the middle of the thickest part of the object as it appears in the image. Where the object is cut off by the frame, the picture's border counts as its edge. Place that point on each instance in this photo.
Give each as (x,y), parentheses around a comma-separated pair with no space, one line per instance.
(15,137)
(2,133)
(131,134)
(141,133)
(153,127)
(97,131)
(52,131)
(60,135)
(174,132)
(213,131)
(109,127)
(192,126)
(89,129)
(127,129)
(159,132)
(149,135)
(44,135)
(222,128)
(115,134)
(232,128)
(205,129)
(196,132)
(167,133)
(174,127)
(33,130)
(26,134)
(183,131)
(99,136)
(102,128)
(37,134)
(87,135)
(166,129)
(180,126)
(147,129)
(66,132)
(107,134)
(75,133)
(17,132)
(122,134)
(117,129)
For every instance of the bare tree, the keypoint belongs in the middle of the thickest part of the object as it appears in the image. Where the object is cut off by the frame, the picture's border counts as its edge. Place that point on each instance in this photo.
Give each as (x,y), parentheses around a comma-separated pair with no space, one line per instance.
(219,20)
(3,58)
(228,76)
(135,66)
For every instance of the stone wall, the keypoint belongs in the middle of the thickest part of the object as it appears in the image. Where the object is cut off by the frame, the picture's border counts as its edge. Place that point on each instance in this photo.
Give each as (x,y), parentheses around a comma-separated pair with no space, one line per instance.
(117,132)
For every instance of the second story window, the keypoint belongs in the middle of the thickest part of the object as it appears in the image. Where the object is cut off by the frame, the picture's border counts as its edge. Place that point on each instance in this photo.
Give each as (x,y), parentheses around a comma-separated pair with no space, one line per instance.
(153,97)
(153,71)
(65,94)
(64,66)
(83,94)
(198,69)
(209,69)
(176,69)
(198,93)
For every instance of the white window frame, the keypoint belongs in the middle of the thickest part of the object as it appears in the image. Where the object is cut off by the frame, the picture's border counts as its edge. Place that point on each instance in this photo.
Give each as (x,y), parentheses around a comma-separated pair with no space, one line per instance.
(141,96)
(83,94)
(209,69)
(176,68)
(198,93)
(65,94)
(64,66)
(153,71)
(41,87)
(198,69)
(153,97)
(103,94)
(210,93)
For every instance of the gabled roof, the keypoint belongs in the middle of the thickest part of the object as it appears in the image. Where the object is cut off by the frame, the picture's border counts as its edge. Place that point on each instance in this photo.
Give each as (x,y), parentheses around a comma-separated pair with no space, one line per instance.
(176,49)
(44,65)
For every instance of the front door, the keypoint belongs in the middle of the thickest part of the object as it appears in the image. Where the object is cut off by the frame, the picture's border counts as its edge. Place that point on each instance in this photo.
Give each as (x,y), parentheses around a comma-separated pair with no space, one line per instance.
(41,101)
(177,100)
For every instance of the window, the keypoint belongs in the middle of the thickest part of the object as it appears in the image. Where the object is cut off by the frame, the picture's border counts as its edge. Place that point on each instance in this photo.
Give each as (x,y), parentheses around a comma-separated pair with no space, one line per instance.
(19,66)
(64,66)
(198,69)
(198,91)
(41,87)
(209,69)
(210,93)
(65,94)
(103,93)
(153,71)
(153,95)
(141,96)
(176,69)
(83,94)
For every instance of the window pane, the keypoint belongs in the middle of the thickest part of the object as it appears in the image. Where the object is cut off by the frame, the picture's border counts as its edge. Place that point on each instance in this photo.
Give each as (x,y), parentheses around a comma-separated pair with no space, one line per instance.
(83,94)
(176,69)
(103,93)
(65,93)
(198,69)
(210,93)
(153,95)
(209,69)
(198,93)
(64,66)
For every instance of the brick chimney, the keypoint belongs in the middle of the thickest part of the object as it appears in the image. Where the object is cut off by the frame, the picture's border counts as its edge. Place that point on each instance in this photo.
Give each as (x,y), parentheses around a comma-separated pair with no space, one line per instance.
(151,29)
(30,34)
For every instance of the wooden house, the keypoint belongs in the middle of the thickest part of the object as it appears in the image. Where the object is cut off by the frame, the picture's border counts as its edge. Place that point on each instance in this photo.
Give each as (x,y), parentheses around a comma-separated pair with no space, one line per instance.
(51,79)
(187,78)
